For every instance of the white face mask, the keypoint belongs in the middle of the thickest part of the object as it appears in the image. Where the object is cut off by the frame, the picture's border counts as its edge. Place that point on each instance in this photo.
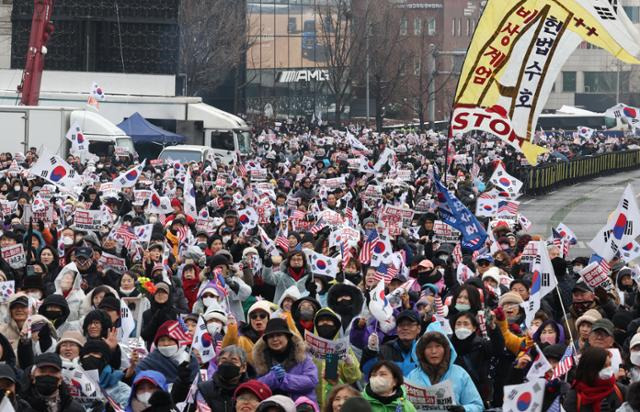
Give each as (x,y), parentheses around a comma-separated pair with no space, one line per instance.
(214,328)
(463,333)
(68,241)
(209,301)
(153,219)
(635,358)
(380,385)
(577,269)
(168,351)
(144,397)
(35,295)
(606,373)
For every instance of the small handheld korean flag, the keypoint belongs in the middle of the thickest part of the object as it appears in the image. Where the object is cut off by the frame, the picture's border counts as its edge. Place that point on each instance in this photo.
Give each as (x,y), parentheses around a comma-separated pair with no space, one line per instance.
(190,197)
(159,204)
(539,366)
(504,181)
(248,218)
(379,305)
(78,142)
(143,232)
(524,397)
(322,265)
(203,341)
(130,177)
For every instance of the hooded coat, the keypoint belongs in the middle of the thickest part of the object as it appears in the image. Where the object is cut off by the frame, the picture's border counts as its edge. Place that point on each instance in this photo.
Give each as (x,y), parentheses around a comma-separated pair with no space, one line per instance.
(349,311)
(62,325)
(464,391)
(301,377)
(282,280)
(87,303)
(38,404)
(154,376)
(348,371)
(75,295)
(401,403)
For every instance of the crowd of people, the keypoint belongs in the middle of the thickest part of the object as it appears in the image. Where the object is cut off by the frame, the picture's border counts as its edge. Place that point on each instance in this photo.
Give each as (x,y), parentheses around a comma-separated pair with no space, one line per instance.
(240,296)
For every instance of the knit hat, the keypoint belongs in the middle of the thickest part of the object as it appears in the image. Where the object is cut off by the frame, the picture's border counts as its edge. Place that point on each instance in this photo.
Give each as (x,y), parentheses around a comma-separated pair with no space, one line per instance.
(591,316)
(165,330)
(102,317)
(263,305)
(248,250)
(217,260)
(492,273)
(511,297)
(217,315)
(356,404)
(97,346)
(282,401)
(635,340)
(163,286)
(110,302)
(33,282)
(73,336)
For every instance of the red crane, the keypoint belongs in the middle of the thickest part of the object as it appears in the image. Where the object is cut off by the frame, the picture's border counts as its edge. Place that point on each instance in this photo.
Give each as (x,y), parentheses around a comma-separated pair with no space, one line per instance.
(41,30)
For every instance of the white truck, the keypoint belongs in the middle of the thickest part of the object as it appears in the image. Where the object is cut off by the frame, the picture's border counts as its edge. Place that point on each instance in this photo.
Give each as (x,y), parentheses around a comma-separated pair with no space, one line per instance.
(46,127)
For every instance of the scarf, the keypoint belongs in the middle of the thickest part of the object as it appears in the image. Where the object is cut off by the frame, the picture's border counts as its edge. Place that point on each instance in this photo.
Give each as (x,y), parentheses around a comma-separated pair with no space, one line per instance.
(296,274)
(594,394)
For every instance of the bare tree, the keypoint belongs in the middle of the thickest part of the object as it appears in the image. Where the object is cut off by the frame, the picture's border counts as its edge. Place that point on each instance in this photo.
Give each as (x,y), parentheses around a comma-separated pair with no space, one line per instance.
(389,55)
(343,42)
(213,42)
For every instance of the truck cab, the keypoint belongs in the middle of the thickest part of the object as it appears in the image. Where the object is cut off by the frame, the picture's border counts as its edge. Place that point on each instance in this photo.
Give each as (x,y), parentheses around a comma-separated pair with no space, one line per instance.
(186,153)
(103,136)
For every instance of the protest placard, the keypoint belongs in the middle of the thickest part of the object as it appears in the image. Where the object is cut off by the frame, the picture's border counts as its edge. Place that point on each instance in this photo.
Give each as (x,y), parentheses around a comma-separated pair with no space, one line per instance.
(87,219)
(109,261)
(206,225)
(258,174)
(434,398)
(14,255)
(332,183)
(139,196)
(404,175)
(319,347)
(398,216)
(595,276)
(80,385)
(156,162)
(444,233)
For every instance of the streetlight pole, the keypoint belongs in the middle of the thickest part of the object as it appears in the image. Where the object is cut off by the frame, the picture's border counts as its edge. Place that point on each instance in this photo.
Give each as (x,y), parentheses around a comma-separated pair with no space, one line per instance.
(618,82)
(367,47)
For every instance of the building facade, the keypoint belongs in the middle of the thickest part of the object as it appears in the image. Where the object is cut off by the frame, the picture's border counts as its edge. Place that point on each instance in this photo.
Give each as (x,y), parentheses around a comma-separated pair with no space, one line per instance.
(287,62)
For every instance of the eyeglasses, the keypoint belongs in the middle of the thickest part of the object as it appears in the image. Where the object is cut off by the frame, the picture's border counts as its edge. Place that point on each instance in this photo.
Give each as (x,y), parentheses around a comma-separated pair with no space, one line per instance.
(255,316)
(247,398)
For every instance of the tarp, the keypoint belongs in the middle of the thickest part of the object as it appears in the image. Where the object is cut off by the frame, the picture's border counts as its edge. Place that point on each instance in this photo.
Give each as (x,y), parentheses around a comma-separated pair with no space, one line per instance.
(141,131)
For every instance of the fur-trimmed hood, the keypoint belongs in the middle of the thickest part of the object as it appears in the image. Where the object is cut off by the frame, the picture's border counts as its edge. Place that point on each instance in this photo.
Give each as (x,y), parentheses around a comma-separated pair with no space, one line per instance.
(262,361)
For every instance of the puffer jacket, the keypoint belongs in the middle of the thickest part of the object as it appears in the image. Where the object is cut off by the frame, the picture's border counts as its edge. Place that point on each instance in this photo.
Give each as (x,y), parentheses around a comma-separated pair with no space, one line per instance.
(464,391)
(282,280)
(301,377)
(400,404)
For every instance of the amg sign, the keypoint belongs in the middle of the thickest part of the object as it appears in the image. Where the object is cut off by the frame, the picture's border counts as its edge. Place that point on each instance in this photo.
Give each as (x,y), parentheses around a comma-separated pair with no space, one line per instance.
(295,76)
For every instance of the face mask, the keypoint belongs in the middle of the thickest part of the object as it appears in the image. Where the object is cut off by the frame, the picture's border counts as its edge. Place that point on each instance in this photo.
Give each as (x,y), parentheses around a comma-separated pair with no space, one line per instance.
(92,363)
(635,358)
(168,351)
(16,188)
(380,385)
(606,373)
(354,278)
(581,307)
(463,333)
(462,307)
(209,302)
(327,331)
(53,316)
(547,339)
(577,269)
(35,295)
(228,371)
(306,314)
(214,328)
(153,219)
(68,241)
(343,306)
(46,385)
(144,397)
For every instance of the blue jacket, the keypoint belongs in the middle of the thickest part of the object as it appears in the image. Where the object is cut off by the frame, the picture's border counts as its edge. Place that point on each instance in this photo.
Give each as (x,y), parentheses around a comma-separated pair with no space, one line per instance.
(464,391)
(155,361)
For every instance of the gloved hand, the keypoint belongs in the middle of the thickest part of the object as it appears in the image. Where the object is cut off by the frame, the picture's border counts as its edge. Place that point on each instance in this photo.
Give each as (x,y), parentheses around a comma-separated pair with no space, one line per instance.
(373,343)
(311,287)
(499,313)
(161,401)
(279,371)
(184,372)
(233,285)
(456,408)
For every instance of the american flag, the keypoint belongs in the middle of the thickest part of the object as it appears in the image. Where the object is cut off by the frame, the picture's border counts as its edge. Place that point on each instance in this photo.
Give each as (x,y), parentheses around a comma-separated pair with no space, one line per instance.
(382,273)
(124,233)
(565,364)
(508,206)
(457,254)
(177,333)
(298,215)
(242,170)
(282,241)
(347,253)
(348,213)
(182,233)
(475,171)
(202,406)
(367,247)
(439,306)
(220,284)
(320,224)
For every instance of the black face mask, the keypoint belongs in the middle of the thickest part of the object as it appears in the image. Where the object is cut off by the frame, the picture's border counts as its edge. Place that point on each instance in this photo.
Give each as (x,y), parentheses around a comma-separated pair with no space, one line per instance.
(46,385)
(228,371)
(307,314)
(91,363)
(581,307)
(327,331)
(344,306)
(54,316)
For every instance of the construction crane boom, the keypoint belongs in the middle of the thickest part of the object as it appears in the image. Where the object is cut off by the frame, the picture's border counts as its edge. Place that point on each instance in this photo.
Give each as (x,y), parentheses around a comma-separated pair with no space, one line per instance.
(41,31)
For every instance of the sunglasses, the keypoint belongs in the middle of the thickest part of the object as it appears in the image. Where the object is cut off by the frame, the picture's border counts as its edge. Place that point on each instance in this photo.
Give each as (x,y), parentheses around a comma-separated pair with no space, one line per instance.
(258,316)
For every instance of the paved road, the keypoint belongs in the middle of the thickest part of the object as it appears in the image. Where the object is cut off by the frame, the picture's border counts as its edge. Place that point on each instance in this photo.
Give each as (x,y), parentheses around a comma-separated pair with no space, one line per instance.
(583,207)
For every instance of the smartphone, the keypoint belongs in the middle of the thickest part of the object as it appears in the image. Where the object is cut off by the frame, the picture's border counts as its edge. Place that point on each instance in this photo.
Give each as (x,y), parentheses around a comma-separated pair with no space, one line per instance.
(30,270)
(37,327)
(331,366)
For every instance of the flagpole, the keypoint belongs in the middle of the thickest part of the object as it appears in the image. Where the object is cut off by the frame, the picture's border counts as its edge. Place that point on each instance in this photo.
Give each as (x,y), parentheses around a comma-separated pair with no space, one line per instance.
(564,312)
